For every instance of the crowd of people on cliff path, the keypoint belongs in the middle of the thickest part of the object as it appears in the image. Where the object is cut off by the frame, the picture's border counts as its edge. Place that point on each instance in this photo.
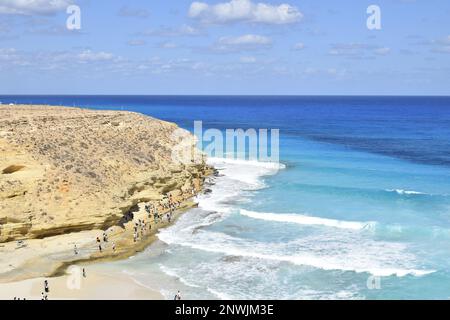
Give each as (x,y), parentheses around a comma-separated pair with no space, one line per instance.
(167,204)
(142,227)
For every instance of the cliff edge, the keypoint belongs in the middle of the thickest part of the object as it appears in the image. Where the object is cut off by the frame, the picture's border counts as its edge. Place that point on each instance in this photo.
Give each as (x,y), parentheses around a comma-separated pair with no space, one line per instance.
(65,170)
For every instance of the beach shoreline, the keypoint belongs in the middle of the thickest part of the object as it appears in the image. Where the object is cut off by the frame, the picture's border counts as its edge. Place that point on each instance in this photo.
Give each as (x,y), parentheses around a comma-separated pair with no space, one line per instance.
(95,287)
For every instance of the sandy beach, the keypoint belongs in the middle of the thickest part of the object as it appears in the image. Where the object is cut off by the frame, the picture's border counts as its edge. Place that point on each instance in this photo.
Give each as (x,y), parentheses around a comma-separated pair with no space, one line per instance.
(95,286)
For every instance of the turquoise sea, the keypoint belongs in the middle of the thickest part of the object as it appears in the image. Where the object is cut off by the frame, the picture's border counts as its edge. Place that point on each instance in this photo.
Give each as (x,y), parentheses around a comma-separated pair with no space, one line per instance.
(358,208)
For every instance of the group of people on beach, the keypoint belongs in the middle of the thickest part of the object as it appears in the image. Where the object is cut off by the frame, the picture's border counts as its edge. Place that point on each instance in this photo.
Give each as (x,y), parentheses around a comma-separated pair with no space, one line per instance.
(167,206)
(105,241)
(44,294)
(46,291)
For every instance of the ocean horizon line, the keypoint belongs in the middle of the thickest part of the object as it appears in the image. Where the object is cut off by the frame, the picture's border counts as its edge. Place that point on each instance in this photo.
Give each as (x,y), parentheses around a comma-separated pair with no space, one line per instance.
(230,95)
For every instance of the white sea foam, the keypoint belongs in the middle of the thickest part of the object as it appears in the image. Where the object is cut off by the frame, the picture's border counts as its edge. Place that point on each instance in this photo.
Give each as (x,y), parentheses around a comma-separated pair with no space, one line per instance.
(220,295)
(237,178)
(173,274)
(242,162)
(405,192)
(338,253)
(245,171)
(306,220)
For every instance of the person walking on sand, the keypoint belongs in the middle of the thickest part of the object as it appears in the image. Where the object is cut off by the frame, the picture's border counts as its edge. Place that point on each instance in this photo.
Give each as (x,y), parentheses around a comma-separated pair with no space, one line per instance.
(46,287)
(100,248)
(84,273)
(75,249)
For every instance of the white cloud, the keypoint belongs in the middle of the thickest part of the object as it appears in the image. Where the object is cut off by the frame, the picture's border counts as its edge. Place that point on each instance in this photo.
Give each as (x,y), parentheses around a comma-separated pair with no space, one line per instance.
(337,73)
(197,9)
(358,50)
(299,46)
(245,42)
(168,45)
(247,59)
(164,31)
(8,54)
(136,42)
(248,39)
(188,30)
(7,30)
(347,49)
(442,49)
(245,11)
(90,56)
(101,64)
(441,46)
(33,7)
(382,51)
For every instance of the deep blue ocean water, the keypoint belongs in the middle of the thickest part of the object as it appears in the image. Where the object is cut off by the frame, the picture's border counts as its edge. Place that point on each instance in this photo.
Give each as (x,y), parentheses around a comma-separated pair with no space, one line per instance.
(360,209)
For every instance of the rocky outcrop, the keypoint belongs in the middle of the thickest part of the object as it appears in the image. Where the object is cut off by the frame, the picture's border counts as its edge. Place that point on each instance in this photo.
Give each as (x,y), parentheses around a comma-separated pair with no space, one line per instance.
(67,170)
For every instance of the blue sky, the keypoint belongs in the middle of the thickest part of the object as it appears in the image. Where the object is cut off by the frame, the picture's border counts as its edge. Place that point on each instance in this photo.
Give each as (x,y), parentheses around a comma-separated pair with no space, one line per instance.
(305,47)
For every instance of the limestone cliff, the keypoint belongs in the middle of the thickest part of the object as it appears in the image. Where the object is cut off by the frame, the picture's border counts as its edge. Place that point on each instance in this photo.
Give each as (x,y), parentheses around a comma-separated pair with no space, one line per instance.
(67,169)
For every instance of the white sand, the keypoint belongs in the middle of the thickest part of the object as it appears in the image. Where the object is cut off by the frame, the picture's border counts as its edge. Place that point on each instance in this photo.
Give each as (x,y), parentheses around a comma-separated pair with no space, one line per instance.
(96,286)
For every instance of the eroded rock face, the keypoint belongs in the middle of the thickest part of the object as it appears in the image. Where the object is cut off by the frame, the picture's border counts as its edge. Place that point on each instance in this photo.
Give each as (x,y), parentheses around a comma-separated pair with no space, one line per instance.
(68,169)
